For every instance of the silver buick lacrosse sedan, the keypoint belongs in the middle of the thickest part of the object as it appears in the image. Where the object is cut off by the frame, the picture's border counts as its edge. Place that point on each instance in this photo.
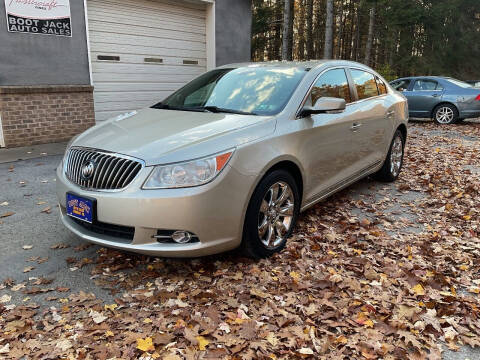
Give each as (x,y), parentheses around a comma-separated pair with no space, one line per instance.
(232,158)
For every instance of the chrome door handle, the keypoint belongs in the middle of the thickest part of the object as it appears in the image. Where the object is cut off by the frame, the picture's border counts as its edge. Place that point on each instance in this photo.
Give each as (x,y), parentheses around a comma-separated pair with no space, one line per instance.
(355,126)
(436,95)
(390,113)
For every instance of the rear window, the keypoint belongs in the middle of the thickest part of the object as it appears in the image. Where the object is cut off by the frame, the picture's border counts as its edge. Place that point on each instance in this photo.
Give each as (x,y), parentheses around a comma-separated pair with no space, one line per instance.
(460,83)
(365,84)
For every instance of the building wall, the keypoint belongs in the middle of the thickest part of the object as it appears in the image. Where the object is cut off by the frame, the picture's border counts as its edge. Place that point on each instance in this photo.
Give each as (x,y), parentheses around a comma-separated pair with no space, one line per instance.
(45,114)
(33,59)
(233,30)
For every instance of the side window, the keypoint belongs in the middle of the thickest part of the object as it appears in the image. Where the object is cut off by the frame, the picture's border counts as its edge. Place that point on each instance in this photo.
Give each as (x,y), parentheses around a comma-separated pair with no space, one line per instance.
(426,85)
(401,85)
(365,84)
(333,83)
(382,88)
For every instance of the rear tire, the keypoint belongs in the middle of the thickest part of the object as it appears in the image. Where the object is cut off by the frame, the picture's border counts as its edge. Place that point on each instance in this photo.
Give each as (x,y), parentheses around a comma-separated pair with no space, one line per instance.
(271,215)
(393,164)
(445,114)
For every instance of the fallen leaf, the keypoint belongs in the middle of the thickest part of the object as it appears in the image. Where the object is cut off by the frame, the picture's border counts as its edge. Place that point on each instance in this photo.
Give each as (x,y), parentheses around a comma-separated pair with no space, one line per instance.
(305,351)
(28,269)
(47,210)
(418,289)
(97,317)
(5,299)
(7,214)
(59,246)
(145,344)
(202,342)
(5,349)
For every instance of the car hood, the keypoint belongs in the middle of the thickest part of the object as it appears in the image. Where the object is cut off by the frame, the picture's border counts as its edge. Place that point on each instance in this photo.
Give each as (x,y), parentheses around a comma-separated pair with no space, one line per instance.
(167,136)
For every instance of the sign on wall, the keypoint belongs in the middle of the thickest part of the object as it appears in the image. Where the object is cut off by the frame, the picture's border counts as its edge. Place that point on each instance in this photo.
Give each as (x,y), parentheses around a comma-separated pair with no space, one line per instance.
(47,17)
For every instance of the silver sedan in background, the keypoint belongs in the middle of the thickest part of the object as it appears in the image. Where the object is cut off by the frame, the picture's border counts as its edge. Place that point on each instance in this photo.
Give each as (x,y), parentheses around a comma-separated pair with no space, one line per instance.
(231,159)
(444,99)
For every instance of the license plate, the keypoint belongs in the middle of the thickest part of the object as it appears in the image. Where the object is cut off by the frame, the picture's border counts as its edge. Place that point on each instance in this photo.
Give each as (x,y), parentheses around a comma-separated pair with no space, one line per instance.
(80,208)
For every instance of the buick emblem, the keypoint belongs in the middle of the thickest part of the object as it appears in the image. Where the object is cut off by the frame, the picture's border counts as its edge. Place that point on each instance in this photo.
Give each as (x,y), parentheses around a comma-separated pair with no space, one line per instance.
(88,169)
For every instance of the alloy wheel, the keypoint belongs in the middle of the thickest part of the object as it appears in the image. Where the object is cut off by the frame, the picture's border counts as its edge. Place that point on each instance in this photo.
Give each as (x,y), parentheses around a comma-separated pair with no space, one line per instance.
(396,156)
(276,214)
(445,115)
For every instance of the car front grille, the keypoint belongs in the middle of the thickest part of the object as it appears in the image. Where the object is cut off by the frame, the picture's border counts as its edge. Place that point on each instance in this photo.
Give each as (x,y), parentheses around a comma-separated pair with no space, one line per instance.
(108,171)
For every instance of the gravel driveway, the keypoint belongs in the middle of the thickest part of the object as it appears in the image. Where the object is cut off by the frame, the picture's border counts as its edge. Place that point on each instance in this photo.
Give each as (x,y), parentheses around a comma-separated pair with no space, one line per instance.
(43,263)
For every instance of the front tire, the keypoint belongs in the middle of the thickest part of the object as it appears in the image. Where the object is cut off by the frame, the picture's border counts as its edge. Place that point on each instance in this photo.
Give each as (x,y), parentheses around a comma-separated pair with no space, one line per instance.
(445,114)
(393,164)
(271,215)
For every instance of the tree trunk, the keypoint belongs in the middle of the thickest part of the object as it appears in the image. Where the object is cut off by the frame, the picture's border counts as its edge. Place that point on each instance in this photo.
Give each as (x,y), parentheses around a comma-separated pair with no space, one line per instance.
(368,48)
(327,53)
(290,31)
(286,36)
(309,16)
(301,32)
(357,35)
(338,51)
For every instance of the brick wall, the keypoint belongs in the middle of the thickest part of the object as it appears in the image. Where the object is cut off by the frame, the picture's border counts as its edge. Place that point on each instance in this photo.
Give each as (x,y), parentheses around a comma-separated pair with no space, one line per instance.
(33,115)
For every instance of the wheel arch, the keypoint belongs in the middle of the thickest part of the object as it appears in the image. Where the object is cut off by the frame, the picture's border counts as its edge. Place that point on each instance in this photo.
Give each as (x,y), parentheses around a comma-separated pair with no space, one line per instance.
(293,169)
(432,113)
(403,130)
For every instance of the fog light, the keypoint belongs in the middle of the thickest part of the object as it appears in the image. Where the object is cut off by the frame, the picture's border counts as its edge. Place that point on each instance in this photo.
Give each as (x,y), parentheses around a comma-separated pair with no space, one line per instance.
(181,237)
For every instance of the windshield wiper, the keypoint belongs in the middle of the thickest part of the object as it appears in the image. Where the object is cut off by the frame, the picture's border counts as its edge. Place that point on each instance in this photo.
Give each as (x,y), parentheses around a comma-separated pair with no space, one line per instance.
(216,109)
(177,108)
(213,109)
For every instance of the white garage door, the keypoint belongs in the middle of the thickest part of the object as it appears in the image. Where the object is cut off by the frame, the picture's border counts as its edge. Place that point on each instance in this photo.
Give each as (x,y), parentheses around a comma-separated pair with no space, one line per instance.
(143,50)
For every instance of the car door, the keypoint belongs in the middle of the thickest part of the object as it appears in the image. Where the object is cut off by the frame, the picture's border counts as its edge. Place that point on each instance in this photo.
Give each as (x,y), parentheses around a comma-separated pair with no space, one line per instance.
(423,96)
(371,126)
(326,149)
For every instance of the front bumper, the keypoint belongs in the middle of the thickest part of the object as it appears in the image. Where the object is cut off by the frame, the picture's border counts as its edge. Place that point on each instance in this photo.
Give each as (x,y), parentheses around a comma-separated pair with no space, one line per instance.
(213,212)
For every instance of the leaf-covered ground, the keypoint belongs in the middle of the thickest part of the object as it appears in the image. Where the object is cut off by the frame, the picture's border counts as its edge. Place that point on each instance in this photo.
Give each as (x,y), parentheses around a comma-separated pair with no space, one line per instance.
(378,271)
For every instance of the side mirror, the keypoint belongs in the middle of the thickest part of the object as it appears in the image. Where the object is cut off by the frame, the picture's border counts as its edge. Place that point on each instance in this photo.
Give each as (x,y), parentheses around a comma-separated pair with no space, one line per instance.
(323,105)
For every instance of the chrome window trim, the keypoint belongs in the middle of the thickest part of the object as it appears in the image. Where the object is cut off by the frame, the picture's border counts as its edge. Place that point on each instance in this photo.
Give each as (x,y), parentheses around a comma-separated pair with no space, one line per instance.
(102,152)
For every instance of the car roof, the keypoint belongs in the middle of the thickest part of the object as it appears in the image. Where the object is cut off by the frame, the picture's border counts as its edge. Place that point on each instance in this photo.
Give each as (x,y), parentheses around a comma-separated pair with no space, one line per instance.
(307,65)
(424,77)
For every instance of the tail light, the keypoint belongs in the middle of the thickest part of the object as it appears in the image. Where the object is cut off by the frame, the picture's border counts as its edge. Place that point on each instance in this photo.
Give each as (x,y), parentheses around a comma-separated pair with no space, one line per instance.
(478,97)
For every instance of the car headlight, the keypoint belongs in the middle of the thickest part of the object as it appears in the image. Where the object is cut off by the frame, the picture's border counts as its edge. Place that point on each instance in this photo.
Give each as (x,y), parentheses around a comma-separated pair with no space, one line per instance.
(187,174)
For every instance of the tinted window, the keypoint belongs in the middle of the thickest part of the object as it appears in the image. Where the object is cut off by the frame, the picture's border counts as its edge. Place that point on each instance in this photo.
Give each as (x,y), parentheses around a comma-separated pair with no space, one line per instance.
(401,85)
(258,90)
(426,85)
(365,84)
(382,88)
(333,83)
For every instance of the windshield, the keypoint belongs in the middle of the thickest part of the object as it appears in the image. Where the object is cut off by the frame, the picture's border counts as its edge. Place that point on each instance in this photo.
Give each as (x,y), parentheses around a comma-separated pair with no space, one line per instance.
(460,83)
(247,90)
